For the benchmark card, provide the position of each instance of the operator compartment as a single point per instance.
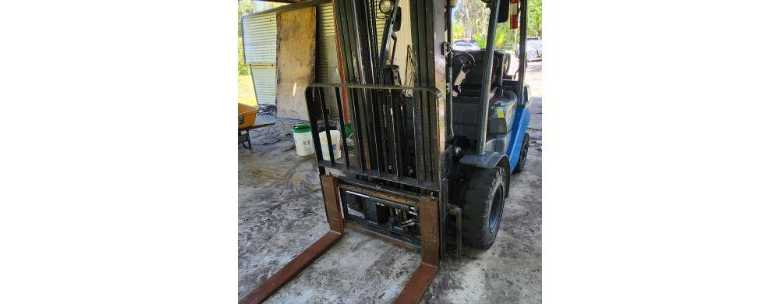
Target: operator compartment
(468, 70)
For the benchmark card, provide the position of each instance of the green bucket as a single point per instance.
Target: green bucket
(302, 128)
(348, 130)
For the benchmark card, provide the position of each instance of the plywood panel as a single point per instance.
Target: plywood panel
(295, 60)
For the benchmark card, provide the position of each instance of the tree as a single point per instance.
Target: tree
(472, 16)
(470, 23)
(245, 7)
(535, 18)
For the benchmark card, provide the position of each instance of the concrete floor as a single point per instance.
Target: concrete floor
(281, 213)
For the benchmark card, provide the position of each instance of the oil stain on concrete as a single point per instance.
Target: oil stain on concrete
(281, 213)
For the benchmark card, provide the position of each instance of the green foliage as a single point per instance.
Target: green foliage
(245, 7)
(243, 69)
(457, 30)
(481, 41)
(472, 16)
(534, 18)
(506, 38)
(470, 23)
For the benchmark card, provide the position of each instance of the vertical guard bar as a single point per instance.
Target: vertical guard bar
(366, 132)
(387, 132)
(376, 107)
(327, 126)
(394, 114)
(419, 170)
(341, 127)
(375, 124)
(311, 104)
(422, 54)
(356, 129)
(487, 75)
(450, 129)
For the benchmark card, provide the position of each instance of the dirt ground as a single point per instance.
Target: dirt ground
(281, 213)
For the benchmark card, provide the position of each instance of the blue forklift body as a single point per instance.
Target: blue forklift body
(519, 127)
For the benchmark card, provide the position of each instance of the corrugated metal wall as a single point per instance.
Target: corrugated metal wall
(327, 57)
(264, 78)
(260, 53)
(260, 40)
(327, 60)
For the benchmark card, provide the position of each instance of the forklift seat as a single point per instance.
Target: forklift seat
(472, 83)
(466, 112)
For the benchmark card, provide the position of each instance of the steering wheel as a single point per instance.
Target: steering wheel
(464, 60)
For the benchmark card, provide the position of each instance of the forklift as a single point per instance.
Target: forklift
(424, 160)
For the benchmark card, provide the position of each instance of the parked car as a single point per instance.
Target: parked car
(465, 45)
(533, 49)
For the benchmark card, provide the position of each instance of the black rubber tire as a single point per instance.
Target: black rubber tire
(485, 190)
(523, 154)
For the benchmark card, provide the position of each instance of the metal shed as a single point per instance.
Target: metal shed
(260, 47)
(260, 54)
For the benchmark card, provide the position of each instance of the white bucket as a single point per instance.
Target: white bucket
(335, 139)
(304, 145)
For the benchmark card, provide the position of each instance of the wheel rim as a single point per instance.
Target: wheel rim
(495, 209)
